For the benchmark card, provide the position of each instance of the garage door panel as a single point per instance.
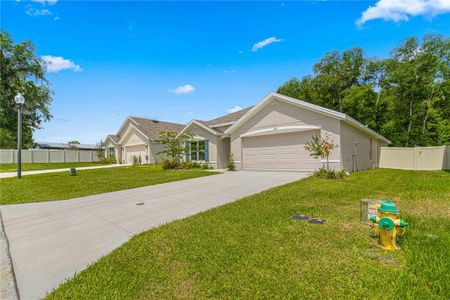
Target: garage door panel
(280, 152)
(138, 150)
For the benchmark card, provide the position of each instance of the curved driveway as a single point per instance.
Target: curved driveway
(50, 241)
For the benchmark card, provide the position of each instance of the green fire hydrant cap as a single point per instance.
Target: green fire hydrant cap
(389, 207)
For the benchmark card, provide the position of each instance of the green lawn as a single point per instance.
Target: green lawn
(46, 166)
(58, 186)
(253, 249)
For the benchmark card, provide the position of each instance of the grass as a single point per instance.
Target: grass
(46, 166)
(253, 249)
(58, 186)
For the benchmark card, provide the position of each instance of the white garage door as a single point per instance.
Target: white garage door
(139, 150)
(278, 152)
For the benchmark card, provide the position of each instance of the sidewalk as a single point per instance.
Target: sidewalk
(14, 174)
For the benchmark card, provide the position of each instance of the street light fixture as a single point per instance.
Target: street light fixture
(20, 100)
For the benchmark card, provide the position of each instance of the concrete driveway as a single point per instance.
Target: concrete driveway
(50, 241)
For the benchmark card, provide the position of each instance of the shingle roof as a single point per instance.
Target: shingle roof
(227, 118)
(152, 128)
(114, 137)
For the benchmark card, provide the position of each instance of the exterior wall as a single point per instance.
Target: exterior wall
(213, 143)
(131, 138)
(223, 152)
(355, 149)
(281, 113)
(418, 158)
(154, 157)
(117, 150)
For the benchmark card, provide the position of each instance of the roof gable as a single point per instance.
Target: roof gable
(230, 118)
(148, 127)
(201, 125)
(305, 105)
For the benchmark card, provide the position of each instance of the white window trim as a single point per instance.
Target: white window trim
(198, 152)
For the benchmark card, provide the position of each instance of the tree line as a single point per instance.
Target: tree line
(405, 97)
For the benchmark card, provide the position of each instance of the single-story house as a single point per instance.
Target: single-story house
(137, 137)
(269, 136)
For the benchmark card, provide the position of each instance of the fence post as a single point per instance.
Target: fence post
(48, 155)
(91, 155)
(78, 155)
(416, 158)
(64, 156)
(31, 155)
(13, 156)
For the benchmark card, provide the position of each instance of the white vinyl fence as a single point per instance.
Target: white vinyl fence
(48, 156)
(418, 158)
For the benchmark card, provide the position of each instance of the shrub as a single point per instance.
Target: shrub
(187, 165)
(137, 160)
(107, 160)
(330, 174)
(171, 164)
(231, 165)
(341, 174)
(206, 166)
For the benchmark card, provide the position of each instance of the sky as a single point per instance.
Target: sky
(177, 61)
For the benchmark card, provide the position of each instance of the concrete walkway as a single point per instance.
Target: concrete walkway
(14, 174)
(50, 241)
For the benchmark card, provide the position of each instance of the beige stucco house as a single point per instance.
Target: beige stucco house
(269, 136)
(136, 137)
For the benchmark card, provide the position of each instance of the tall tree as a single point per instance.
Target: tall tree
(417, 84)
(406, 97)
(21, 71)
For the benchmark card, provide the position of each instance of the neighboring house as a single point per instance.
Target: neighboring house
(136, 137)
(63, 146)
(269, 136)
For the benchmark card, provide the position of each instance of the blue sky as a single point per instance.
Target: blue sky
(193, 60)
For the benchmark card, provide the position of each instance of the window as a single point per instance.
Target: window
(370, 149)
(110, 152)
(197, 151)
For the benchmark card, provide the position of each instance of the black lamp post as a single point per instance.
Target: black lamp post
(20, 100)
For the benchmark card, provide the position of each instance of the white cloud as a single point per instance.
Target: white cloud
(183, 89)
(234, 109)
(265, 42)
(402, 10)
(55, 64)
(46, 2)
(31, 11)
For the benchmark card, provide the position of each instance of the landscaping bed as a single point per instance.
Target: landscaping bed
(252, 248)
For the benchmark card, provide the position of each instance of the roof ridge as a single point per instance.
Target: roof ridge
(153, 120)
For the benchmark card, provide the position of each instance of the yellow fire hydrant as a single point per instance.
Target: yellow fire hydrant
(388, 225)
